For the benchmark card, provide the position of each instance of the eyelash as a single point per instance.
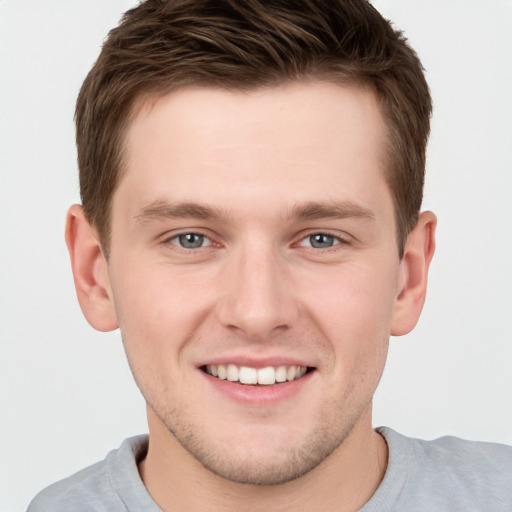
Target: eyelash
(337, 241)
(174, 241)
(176, 246)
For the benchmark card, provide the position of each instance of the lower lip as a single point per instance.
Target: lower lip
(257, 395)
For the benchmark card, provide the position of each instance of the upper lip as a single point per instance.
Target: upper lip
(255, 362)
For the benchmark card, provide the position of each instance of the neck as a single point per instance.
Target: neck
(344, 481)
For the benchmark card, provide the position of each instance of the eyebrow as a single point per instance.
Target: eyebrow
(162, 210)
(331, 210)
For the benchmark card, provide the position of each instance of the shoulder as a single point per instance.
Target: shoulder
(95, 488)
(459, 458)
(78, 492)
(470, 457)
(466, 475)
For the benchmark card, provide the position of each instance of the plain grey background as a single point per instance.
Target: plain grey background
(66, 394)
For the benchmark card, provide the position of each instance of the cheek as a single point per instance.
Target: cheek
(157, 316)
(157, 299)
(158, 310)
(354, 315)
(354, 301)
(353, 311)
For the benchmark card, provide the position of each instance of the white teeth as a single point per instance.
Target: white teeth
(221, 371)
(264, 376)
(232, 373)
(291, 373)
(248, 375)
(281, 374)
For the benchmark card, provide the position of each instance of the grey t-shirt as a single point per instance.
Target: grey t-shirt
(448, 474)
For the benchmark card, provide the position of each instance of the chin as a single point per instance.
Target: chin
(266, 458)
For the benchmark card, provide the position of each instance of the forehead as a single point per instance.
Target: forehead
(296, 142)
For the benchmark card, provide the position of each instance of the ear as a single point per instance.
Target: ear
(418, 253)
(90, 271)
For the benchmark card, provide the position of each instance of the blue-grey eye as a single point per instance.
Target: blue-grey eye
(322, 241)
(191, 240)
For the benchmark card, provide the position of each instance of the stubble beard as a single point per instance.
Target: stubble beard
(249, 465)
(246, 462)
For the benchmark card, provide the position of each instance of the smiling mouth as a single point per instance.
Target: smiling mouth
(267, 376)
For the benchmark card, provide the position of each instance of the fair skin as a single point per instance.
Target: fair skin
(256, 230)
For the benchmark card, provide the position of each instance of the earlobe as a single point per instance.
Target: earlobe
(418, 253)
(90, 271)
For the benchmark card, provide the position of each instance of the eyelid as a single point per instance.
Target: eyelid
(341, 238)
(206, 240)
(169, 237)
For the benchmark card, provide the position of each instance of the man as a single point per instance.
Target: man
(251, 177)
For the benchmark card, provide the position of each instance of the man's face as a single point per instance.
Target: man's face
(253, 234)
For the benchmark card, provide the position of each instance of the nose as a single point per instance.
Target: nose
(258, 299)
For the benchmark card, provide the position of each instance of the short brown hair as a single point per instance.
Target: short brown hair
(162, 45)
